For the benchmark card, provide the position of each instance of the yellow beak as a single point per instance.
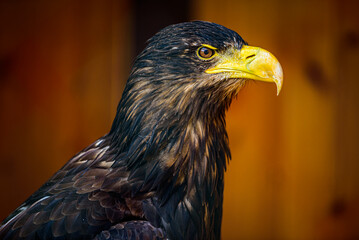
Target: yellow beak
(250, 63)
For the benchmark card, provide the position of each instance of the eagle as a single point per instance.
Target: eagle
(159, 172)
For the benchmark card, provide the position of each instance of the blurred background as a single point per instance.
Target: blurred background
(294, 172)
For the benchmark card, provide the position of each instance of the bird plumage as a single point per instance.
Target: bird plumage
(159, 172)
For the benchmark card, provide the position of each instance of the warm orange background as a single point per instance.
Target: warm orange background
(295, 167)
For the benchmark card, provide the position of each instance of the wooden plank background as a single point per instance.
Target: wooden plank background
(295, 168)
(63, 65)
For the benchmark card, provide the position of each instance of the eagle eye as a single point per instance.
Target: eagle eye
(206, 52)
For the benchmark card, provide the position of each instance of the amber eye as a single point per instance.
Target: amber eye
(205, 52)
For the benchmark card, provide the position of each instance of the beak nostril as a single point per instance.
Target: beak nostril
(250, 56)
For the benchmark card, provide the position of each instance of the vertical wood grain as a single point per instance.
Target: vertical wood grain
(63, 65)
(295, 157)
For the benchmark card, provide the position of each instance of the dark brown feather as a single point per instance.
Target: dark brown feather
(159, 172)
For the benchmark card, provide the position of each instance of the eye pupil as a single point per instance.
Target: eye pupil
(205, 52)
